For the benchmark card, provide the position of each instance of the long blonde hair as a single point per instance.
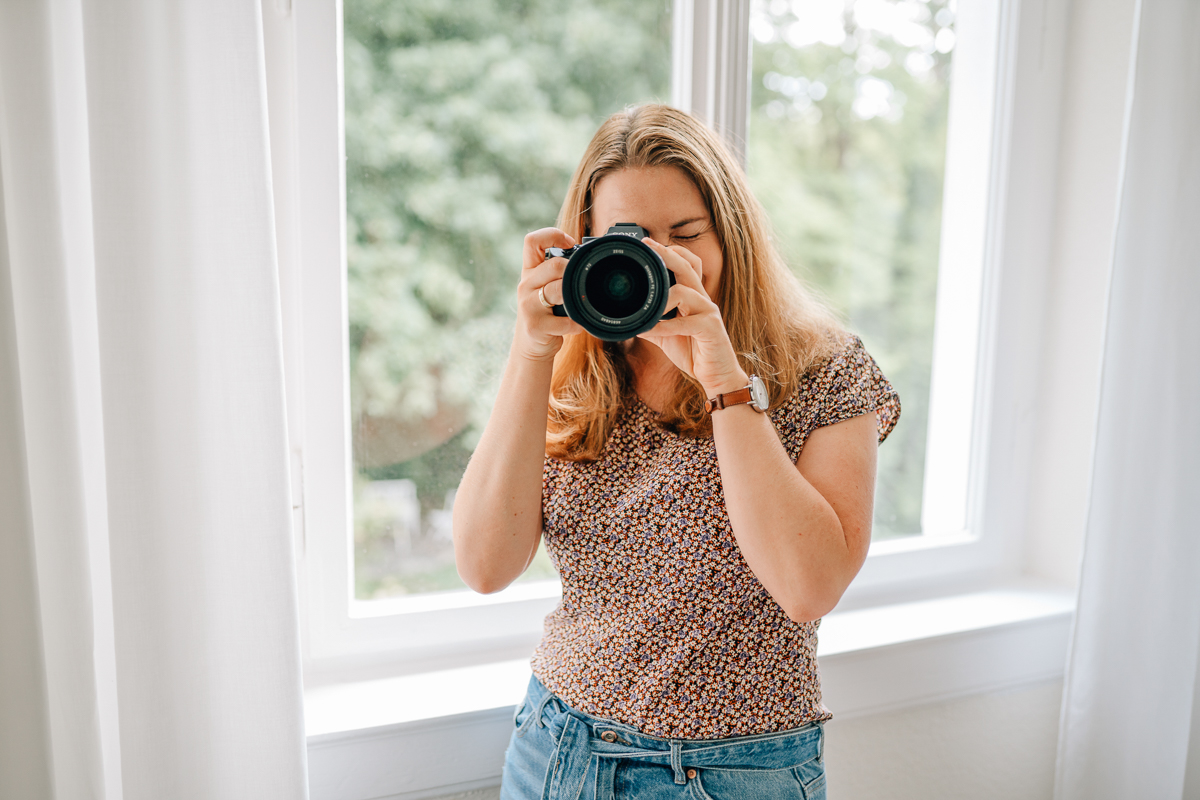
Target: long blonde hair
(778, 329)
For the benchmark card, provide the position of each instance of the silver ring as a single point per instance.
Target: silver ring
(542, 297)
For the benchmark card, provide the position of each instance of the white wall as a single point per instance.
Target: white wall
(998, 745)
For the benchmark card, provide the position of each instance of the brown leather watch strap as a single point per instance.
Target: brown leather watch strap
(728, 399)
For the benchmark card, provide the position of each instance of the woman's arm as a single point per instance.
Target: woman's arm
(803, 528)
(498, 506)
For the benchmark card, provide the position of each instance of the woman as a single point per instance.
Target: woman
(698, 550)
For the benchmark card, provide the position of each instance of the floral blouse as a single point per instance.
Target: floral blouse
(662, 625)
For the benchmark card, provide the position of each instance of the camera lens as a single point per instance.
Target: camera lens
(617, 286)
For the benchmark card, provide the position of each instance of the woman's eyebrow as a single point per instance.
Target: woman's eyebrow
(689, 222)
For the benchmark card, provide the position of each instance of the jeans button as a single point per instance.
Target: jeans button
(691, 773)
(609, 736)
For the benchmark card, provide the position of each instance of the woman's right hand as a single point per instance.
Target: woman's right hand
(539, 333)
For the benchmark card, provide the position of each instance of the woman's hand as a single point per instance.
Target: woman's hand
(539, 333)
(695, 340)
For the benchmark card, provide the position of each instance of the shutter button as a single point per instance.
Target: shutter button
(609, 736)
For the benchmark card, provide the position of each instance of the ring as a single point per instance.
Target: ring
(542, 297)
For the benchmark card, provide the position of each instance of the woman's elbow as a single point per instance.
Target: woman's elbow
(477, 574)
(483, 584)
(481, 567)
(810, 606)
(801, 614)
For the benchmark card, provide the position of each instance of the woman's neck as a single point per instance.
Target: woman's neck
(654, 375)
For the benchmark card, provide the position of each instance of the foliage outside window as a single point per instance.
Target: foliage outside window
(464, 121)
(463, 124)
(847, 150)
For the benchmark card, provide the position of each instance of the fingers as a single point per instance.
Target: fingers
(552, 292)
(549, 295)
(690, 301)
(694, 306)
(539, 333)
(544, 278)
(546, 274)
(537, 242)
(685, 264)
(543, 323)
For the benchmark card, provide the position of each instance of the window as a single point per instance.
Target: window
(464, 122)
(428, 143)
(847, 152)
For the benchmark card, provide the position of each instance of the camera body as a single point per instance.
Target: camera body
(614, 285)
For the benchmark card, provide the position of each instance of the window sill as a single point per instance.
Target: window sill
(437, 733)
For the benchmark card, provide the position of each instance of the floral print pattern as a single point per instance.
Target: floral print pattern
(662, 625)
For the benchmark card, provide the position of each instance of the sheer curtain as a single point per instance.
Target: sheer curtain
(149, 645)
(1131, 711)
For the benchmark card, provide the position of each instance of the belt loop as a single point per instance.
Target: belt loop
(541, 706)
(677, 761)
(568, 772)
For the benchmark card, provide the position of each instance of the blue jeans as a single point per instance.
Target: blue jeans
(558, 753)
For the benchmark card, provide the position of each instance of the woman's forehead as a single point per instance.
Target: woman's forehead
(655, 196)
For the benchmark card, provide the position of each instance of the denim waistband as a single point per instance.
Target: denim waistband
(582, 738)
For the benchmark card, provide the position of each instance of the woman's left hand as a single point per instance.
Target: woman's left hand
(695, 339)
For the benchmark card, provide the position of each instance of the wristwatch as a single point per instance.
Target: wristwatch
(755, 394)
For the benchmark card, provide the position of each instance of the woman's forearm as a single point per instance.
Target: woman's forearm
(788, 532)
(498, 506)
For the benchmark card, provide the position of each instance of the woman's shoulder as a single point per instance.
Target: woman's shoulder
(845, 384)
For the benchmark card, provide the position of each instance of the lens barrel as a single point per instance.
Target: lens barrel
(614, 285)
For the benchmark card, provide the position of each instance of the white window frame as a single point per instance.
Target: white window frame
(966, 541)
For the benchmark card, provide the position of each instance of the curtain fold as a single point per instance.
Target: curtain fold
(1128, 709)
(147, 595)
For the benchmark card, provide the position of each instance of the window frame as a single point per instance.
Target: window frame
(964, 543)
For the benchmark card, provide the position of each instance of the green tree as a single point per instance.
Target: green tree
(847, 150)
(464, 121)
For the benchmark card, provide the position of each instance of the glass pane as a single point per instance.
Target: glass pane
(847, 150)
(464, 121)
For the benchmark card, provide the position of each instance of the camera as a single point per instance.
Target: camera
(614, 285)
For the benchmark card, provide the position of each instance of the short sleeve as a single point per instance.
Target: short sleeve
(847, 385)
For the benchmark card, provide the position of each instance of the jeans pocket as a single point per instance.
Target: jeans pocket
(811, 777)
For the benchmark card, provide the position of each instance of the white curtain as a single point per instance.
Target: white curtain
(1131, 708)
(149, 647)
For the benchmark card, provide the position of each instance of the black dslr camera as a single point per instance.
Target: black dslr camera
(614, 286)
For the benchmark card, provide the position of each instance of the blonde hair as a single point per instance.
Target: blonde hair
(778, 329)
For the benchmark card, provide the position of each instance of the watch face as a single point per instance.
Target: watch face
(758, 393)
